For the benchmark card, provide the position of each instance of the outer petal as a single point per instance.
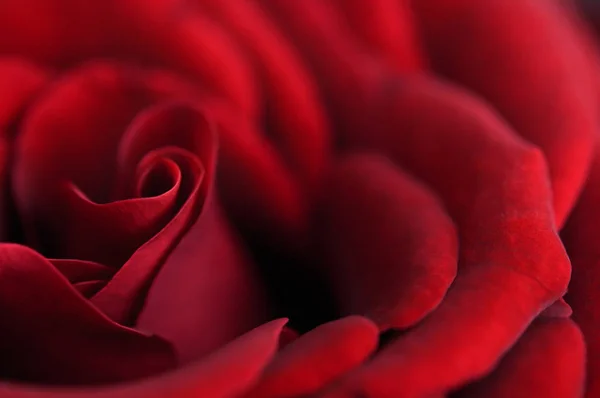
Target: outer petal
(389, 248)
(580, 237)
(317, 358)
(548, 361)
(51, 334)
(225, 374)
(546, 91)
(495, 187)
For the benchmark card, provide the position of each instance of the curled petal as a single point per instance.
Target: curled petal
(51, 334)
(117, 299)
(227, 373)
(548, 361)
(389, 248)
(317, 358)
(546, 92)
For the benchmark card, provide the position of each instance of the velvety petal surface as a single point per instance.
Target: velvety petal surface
(579, 236)
(49, 333)
(294, 115)
(388, 247)
(540, 81)
(226, 373)
(547, 361)
(387, 28)
(316, 358)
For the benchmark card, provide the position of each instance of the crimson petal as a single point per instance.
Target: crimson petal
(316, 358)
(512, 265)
(548, 361)
(51, 334)
(389, 248)
(580, 238)
(546, 91)
(388, 28)
(294, 111)
(258, 191)
(227, 373)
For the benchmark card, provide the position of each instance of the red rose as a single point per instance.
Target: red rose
(181, 176)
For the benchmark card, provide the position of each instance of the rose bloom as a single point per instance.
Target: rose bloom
(299, 198)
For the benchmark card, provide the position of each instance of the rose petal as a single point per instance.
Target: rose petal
(389, 248)
(558, 309)
(346, 72)
(387, 28)
(258, 191)
(51, 334)
(118, 298)
(482, 315)
(19, 82)
(80, 270)
(208, 266)
(580, 238)
(489, 54)
(44, 32)
(548, 361)
(174, 35)
(123, 226)
(317, 358)
(225, 374)
(295, 117)
(59, 142)
(512, 264)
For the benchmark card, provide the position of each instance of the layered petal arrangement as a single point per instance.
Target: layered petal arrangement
(293, 199)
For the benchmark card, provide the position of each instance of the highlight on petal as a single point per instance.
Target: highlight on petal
(294, 116)
(52, 335)
(541, 81)
(316, 358)
(388, 247)
(547, 361)
(227, 373)
(512, 265)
